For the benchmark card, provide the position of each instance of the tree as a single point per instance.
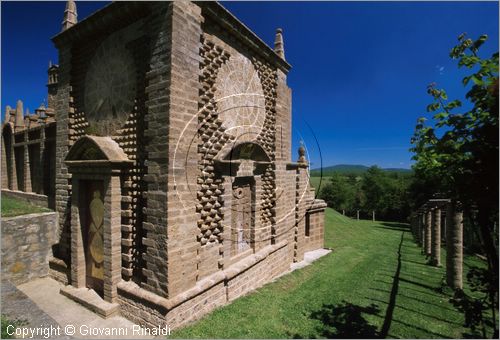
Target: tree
(338, 193)
(456, 153)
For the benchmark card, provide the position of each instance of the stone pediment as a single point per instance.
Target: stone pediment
(93, 149)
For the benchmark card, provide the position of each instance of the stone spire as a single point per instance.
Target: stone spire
(70, 15)
(19, 123)
(7, 114)
(279, 47)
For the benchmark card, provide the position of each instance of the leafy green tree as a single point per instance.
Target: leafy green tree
(456, 151)
(339, 193)
(375, 187)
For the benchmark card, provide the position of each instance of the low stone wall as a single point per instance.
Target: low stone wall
(30, 197)
(315, 225)
(27, 246)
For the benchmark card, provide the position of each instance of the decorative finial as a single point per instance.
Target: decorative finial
(19, 122)
(302, 153)
(279, 47)
(70, 15)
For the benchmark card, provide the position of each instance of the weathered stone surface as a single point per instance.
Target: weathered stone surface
(27, 246)
(191, 175)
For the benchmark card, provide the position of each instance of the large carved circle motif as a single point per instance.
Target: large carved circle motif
(240, 99)
(110, 86)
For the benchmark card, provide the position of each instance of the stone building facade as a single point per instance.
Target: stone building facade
(174, 181)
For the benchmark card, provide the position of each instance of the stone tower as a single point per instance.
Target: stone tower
(52, 84)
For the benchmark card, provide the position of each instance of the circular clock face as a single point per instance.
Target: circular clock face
(240, 98)
(110, 86)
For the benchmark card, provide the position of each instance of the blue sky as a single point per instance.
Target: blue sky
(359, 69)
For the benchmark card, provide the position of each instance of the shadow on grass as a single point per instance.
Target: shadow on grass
(394, 226)
(346, 321)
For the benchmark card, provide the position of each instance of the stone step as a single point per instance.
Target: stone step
(91, 300)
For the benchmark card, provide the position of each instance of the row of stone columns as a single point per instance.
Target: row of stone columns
(427, 225)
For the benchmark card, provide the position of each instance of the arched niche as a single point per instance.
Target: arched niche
(241, 166)
(243, 159)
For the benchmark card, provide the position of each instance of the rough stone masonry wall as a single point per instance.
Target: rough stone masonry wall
(218, 45)
(184, 86)
(63, 108)
(129, 136)
(27, 246)
(215, 291)
(315, 223)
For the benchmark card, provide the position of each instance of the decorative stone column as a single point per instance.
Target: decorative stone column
(5, 170)
(428, 227)
(27, 169)
(13, 167)
(454, 245)
(436, 238)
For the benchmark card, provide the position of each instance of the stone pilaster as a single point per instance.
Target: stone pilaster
(301, 199)
(77, 248)
(182, 218)
(261, 232)
(285, 179)
(62, 190)
(112, 239)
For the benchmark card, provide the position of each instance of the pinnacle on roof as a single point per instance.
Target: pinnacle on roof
(70, 15)
(279, 46)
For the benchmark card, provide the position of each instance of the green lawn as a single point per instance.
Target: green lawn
(14, 207)
(361, 289)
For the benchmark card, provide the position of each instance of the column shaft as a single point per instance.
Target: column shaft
(428, 227)
(436, 238)
(454, 246)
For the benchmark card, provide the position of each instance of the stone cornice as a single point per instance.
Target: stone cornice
(104, 20)
(235, 27)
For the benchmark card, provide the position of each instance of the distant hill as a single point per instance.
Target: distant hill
(351, 169)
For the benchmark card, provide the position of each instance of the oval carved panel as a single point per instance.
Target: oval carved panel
(110, 86)
(240, 98)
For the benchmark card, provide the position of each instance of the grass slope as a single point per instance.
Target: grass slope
(14, 207)
(375, 283)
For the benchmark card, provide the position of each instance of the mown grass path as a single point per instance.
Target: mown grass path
(374, 284)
